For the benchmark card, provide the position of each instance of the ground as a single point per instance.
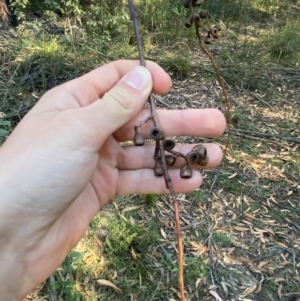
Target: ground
(240, 228)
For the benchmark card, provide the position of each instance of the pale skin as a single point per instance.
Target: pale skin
(64, 162)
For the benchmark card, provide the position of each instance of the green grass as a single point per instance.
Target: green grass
(231, 185)
(198, 196)
(222, 239)
(283, 43)
(195, 268)
(5, 128)
(177, 66)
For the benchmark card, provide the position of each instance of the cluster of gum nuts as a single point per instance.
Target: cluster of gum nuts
(198, 155)
(195, 18)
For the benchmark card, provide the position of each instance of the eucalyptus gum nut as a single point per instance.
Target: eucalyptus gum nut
(158, 170)
(207, 40)
(196, 18)
(138, 139)
(156, 134)
(203, 161)
(218, 27)
(186, 3)
(214, 31)
(169, 144)
(197, 2)
(170, 160)
(200, 148)
(186, 172)
(188, 22)
(203, 14)
(192, 157)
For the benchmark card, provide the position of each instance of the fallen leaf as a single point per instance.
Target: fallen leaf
(249, 290)
(242, 229)
(215, 294)
(281, 244)
(199, 280)
(163, 233)
(262, 264)
(133, 254)
(110, 284)
(232, 176)
(279, 291)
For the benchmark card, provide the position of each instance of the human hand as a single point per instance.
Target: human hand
(64, 162)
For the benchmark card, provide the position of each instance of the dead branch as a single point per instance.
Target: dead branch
(265, 135)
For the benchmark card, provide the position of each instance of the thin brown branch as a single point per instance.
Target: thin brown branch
(175, 153)
(167, 178)
(220, 80)
(136, 27)
(161, 101)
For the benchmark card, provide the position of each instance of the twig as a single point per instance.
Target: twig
(160, 100)
(260, 99)
(167, 178)
(266, 135)
(220, 80)
(221, 84)
(213, 183)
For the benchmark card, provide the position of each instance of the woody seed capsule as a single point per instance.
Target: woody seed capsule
(203, 14)
(200, 148)
(138, 139)
(203, 161)
(197, 2)
(186, 172)
(170, 160)
(218, 26)
(158, 170)
(192, 157)
(214, 31)
(186, 3)
(188, 22)
(196, 18)
(207, 40)
(168, 144)
(156, 134)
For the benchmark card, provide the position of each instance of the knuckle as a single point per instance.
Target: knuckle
(119, 100)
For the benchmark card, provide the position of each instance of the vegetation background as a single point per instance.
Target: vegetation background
(241, 229)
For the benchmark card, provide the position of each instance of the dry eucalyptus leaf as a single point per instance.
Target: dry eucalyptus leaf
(110, 284)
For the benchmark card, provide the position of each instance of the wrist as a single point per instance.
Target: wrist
(14, 280)
(13, 283)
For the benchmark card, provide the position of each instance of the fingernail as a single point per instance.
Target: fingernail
(139, 78)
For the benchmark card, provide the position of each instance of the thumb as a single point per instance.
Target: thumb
(118, 105)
